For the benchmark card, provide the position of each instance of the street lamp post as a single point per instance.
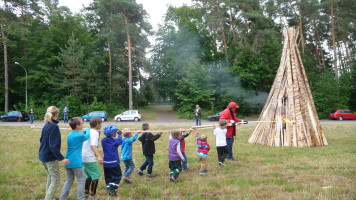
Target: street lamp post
(26, 80)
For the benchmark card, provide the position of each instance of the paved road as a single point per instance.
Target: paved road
(163, 121)
(165, 116)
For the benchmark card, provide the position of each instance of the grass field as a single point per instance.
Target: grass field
(261, 172)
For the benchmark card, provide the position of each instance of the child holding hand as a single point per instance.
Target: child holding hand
(148, 149)
(90, 154)
(175, 155)
(75, 141)
(112, 170)
(126, 153)
(182, 145)
(203, 149)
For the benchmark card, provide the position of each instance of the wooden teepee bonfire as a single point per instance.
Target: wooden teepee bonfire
(289, 116)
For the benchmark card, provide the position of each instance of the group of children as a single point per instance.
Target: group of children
(84, 158)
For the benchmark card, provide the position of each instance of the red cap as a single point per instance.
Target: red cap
(233, 105)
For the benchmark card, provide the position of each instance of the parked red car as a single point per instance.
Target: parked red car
(342, 114)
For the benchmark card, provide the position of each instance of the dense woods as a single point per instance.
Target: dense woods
(209, 53)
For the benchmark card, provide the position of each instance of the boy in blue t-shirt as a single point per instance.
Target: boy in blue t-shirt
(111, 161)
(75, 140)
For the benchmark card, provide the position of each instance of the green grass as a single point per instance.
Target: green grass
(148, 113)
(261, 172)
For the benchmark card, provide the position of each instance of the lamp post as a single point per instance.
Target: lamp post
(26, 80)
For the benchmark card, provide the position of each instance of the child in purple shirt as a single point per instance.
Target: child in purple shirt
(175, 156)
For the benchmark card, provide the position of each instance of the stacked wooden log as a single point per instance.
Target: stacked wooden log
(290, 96)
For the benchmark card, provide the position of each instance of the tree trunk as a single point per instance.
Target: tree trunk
(223, 35)
(301, 27)
(340, 56)
(280, 19)
(110, 71)
(130, 64)
(316, 46)
(320, 47)
(348, 56)
(23, 36)
(6, 106)
(215, 43)
(225, 45)
(333, 36)
(232, 25)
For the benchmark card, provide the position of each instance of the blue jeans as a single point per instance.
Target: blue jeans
(149, 162)
(32, 118)
(230, 142)
(65, 118)
(129, 167)
(185, 162)
(197, 121)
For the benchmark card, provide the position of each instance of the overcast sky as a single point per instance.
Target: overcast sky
(155, 8)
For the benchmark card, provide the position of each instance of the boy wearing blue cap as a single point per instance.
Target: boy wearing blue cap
(111, 161)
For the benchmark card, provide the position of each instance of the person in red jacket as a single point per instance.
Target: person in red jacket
(230, 116)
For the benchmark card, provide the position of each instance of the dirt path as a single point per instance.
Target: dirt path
(166, 114)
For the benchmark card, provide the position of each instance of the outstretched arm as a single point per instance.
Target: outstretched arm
(155, 137)
(185, 135)
(134, 138)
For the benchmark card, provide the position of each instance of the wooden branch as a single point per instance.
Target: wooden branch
(290, 96)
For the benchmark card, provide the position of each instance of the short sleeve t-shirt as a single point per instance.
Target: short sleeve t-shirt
(87, 153)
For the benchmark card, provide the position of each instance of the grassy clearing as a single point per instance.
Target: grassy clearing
(148, 113)
(261, 172)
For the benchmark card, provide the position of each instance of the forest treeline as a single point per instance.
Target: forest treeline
(209, 53)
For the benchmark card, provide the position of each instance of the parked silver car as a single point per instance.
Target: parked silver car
(129, 115)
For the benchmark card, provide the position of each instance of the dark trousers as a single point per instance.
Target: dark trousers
(222, 153)
(230, 142)
(149, 162)
(112, 176)
(176, 168)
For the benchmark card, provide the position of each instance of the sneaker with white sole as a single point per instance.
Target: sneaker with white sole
(127, 179)
(112, 192)
(202, 172)
(151, 175)
(173, 179)
(139, 172)
(222, 164)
